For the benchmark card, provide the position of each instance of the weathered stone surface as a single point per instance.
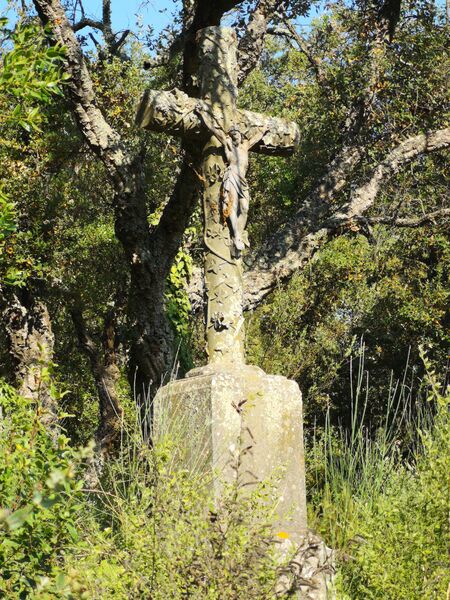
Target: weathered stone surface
(174, 112)
(312, 569)
(228, 409)
(217, 404)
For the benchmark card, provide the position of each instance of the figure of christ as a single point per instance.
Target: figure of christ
(235, 194)
(225, 134)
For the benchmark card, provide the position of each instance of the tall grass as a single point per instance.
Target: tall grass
(371, 489)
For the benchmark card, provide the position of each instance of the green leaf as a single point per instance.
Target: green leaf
(18, 518)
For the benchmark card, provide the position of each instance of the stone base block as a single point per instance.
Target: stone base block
(218, 409)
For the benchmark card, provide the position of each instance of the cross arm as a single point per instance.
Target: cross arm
(175, 113)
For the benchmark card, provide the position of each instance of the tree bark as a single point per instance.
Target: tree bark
(295, 244)
(253, 41)
(106, 375)
(28, 327)
(315, 223)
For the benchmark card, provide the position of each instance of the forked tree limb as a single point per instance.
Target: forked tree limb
(150, 336)
(87, 22)
(289, 32)
(293, 246)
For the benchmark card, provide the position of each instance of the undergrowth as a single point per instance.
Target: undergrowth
(150, 528)
(381, 499)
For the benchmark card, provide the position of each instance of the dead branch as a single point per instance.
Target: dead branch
(113, 41)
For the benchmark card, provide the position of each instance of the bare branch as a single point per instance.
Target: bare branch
(314, 61)
(113, 41)
(117, 44)
(106, 13)
(364, 196)
(86, 22)
(429, 218)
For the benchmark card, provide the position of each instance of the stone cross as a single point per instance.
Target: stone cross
(219, 403)
(226, 135)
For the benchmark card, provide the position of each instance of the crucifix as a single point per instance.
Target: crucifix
(226, 135)
(206, 399)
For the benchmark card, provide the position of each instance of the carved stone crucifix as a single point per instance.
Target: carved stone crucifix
(226, 135)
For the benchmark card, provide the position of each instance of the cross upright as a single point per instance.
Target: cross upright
(226, 135)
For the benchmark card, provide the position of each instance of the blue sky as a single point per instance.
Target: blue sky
(156, 13)
(126, 13)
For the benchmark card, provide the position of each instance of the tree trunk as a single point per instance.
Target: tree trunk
(150, 255)
(28, 327)
(106, 374)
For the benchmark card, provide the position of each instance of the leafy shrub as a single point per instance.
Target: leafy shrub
(159, 533)
(40, 495)
(152, 528)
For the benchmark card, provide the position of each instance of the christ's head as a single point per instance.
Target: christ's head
(236, 136)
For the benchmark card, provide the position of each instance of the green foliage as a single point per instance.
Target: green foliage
(7, 219)
(151, 529)
(40, 495)
(30, 73)
(160, 534)
(8, 226)
(30, 76)
(382, 502)
(393, 292)
(178, 306)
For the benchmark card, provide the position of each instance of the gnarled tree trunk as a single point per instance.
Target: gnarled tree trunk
(31, 342)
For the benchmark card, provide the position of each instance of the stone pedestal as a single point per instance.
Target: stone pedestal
(219, 408)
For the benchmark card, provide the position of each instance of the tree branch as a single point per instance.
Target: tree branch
(428, 218)
(86, 343)
(86, 22)
(252, 42)
(27, 324)
(112, 41)
(364, 196)
(293, 246)
(295, 243)
(100, 136)
(174, 220)
(314, 61)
